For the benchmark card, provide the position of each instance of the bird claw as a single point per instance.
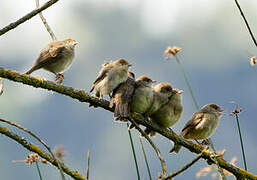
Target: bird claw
(59, 78)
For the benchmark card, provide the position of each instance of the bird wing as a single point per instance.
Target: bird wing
(102, 74)
(194, 121)
(48, 55)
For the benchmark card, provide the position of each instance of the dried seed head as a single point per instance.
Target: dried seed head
(59, 152)
(159, 176)
(253, 61)
(31, 158)
(44, 161)
(171, 51)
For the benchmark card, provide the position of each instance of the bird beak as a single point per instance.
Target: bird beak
(180, 91)
(129, 65)
(75, 43)
(153, 81)
(221, 113)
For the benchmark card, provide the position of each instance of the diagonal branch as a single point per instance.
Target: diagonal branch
(40, 152)
(82, 96)
(27, 17)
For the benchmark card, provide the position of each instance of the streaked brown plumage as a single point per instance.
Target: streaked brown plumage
(110, 76)
(122, 96)
(56, 57)
(202, 124)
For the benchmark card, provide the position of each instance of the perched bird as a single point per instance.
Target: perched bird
(143, 96)
(110, 76)
(162, 93)
(1, 86)
(169, 113)
(202, 124)
(56, 57)
(122, 96)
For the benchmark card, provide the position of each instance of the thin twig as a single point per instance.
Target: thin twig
(83, 96)
(38, 170)
(133, 151)
(88, 164)
(241, 141)
(37, 138)
(27, 17)
(45, 23)
(246, 22)
(146, 161)
(32, 147)
(164, 169)
(184, 168)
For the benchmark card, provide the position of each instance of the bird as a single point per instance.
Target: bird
(161, 94)
(110, 76)
(202, 124)
(142, 98)
(122, 96)
(169, 113)
(56, 57)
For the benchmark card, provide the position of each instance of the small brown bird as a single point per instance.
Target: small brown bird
(56, 57)
(110, 76)
(168, 114)
(162, 93)
(143, 96)
(202, 124)
(122, 96)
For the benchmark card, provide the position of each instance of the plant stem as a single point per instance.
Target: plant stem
(146, 162)
(133, 151)
(38, 170)
(241, 141)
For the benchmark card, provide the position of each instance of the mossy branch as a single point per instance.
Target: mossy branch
(31, 147)
(27, 17)
(82, 96)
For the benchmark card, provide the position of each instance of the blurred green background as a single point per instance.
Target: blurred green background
(216, 50)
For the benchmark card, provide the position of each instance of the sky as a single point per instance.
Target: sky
(216, 51)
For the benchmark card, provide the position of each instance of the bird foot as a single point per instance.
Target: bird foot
(59, 78)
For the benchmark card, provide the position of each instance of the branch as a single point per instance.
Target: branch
(246, 22)
(184, 168)
(82, 96)
(37, 138)
(157, 151)
(49, 30)
(26, 17)
(40, 152)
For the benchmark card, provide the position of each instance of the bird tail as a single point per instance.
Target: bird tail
(175, 148)
(92, 88)
(121, 111)
(30, 71)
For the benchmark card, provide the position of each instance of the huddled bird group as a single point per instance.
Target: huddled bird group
(160, 103)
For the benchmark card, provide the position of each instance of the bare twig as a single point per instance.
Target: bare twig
(45, 23)
(27, 17)
(246, 22)
(184, 168)
(82, 96)
(32, 147)
(37, 138)
(164, 169)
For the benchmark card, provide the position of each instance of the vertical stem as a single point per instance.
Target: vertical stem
(38, 170)
(133, 151)
(146, 162)
(88, 164)
(241, 141)
(187, 83)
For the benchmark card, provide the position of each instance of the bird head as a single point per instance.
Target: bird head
(145, 81)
